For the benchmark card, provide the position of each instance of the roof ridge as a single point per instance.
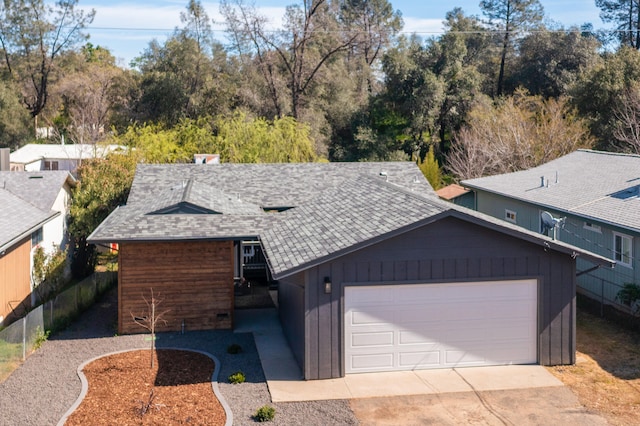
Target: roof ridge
(187, 190)
(615, 154)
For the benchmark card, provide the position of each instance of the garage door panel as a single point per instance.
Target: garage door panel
(359, 340)
(420, 359)
(455, 357)
(413, 315)
(411, 337)
(373, 362)
(488, 323)
(380, 316)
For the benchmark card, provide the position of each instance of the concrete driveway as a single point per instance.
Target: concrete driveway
(534, 406)
(502, 395)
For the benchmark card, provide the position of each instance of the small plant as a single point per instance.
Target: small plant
(265, 413)
(630, 296)
(40, 337)
(147, 405)
(151, 319)
(234, 349)
(237, 378)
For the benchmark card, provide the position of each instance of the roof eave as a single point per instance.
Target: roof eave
(21, 236)
(545, 242)
(353, 248)
(551, 207)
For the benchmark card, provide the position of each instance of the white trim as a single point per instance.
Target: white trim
(592, 227)
(619, 257)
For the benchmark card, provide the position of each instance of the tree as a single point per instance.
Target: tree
(157, 143)
(413, 95)
(33, 34)
(240, 139)
(601, 90)
(549, 62)
(150, 319)
(104, 184)
(625, 14)
(376, 25)
(431, 169)
(87, 95)
(14, 120)
(186, 77)
(509, 18)
(627, 126)
(460, 54)
(515, 133)
(311, 38)
(48, 272)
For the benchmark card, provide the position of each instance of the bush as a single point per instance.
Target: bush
(40, 337)
(630, 296)
(234, 349)
(237, 378)
(265, 414)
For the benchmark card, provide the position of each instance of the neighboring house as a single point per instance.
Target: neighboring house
(33, 211)
(375, 273)
(37, 157)
(598, 194)
(458, 195)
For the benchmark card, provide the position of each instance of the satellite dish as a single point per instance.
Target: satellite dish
(550, 222)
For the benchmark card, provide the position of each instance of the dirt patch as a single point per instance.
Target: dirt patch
(606, 376)
(124, 389)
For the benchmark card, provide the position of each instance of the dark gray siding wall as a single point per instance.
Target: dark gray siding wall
(448, 250)
(291, 310)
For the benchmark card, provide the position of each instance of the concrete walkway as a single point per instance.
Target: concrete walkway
(286, 383)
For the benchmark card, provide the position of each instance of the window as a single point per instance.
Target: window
(592, 227)
(622, 249)
(50, 165)
(36, 237)
(510, 215)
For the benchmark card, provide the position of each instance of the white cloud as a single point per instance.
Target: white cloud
(422, 26)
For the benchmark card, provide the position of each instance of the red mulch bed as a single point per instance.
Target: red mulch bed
(125, 390)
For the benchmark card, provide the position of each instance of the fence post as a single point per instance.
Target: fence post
(24, 338)
(601, 297)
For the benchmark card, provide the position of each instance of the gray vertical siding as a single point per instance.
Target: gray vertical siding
(291, 311)
(448, 250)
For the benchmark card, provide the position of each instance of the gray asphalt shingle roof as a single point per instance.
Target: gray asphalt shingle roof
(37, 188)
(337, 207)
(596, 185)
(342, 218)
(19, 218)
(239, 191)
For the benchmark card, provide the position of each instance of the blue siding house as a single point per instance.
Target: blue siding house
(595, 197)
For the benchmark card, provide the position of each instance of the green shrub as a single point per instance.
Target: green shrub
(264, 414)
(237, 378)
(629, 295)
(40, 337)
(234, 349)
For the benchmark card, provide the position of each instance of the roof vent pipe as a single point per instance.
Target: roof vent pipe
(557, 178)
(541, 181)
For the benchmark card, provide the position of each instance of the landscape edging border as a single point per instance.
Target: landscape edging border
(214, 381)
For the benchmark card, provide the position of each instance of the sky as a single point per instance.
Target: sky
(126, 27)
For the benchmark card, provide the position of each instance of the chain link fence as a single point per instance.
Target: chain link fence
(19, 339)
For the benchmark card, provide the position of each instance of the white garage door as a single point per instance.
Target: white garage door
(412, 327)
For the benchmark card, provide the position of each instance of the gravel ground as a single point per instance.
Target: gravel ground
(46, 385)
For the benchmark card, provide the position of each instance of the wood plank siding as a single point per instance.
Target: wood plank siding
(194, 280)
(446, 251)
(15, 279)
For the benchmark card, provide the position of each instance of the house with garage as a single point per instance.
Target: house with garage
(33, 213)
(593, 198)
(374, 271)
